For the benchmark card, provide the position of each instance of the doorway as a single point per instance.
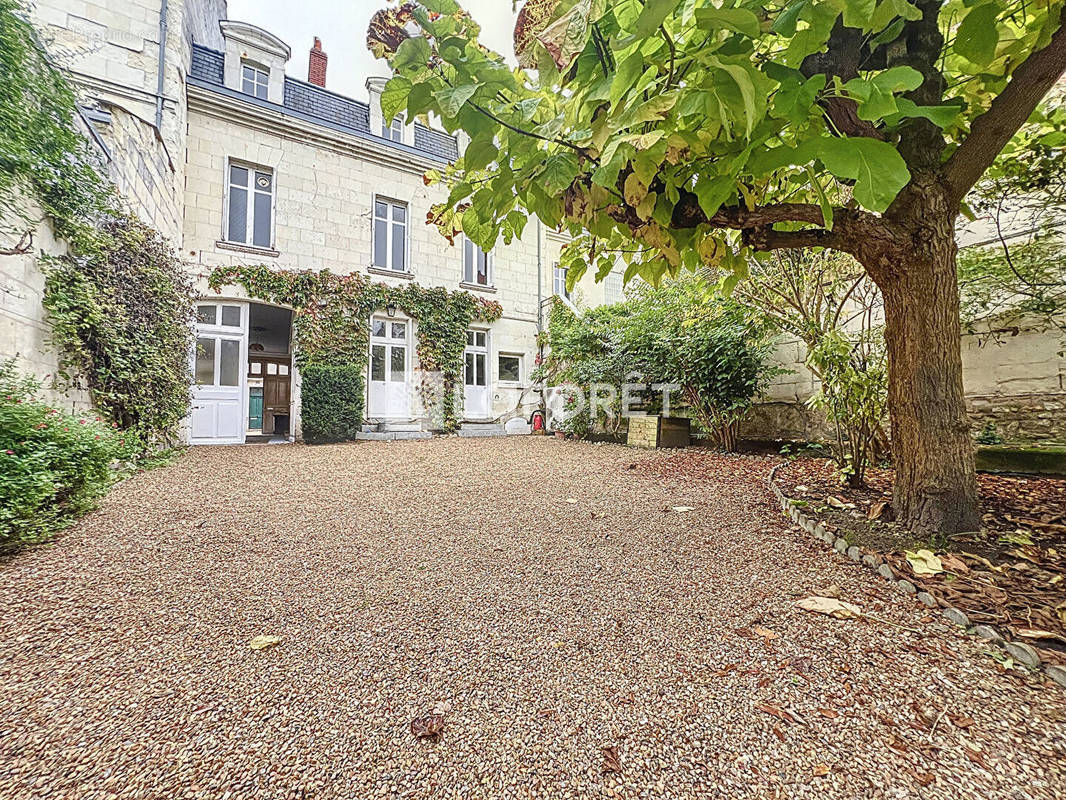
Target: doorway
(388, 396)
(475, 375)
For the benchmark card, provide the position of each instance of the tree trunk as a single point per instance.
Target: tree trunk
(935, 491)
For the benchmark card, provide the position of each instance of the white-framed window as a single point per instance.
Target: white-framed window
(509, 367)
(390, 235)
(394, 131)
(559, 288)
(613, 288)
(477, 264)
(254, 80)
(250, 205)
(219, 327)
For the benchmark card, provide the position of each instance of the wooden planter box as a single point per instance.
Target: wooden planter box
(657, 431)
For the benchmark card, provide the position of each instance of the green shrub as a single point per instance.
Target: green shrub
(331, 402)
(53, 465)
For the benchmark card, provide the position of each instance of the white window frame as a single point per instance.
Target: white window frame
(489, 266)
(249, 219)
(521, 368)
(559, 286)
(258, 72)
(394, 130)
(390, 224)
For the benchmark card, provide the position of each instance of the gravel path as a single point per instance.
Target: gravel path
(454, 575)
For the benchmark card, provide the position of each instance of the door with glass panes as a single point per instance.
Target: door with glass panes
(389, 368)
(475, 376)
(219, 358)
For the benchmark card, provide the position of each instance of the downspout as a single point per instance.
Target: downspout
(160, 67)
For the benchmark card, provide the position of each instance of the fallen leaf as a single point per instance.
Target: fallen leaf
(830, 606)
(611, 762)
(821, 770)
(961, 721)
(263, 642)
(975, 756)
(570, 500)
(428, 727)
(828, 713)
(781, 713)
(1032, 633)
(598, 515)
(835, 502)
(779, 733)
(924, 562)
(681, 509)
(830, 591)
(877, 510)
(766, 633)
(953, 563)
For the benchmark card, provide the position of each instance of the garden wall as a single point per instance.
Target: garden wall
(1014, 378)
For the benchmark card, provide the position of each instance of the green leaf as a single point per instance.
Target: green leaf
(878, 170)
(977, 36)
(743, 80)
(823, 201)
(412, 54)
(735, 19)
(942, 116)
(394, 97)
(452, 98)
(558, 172)
(857, 13)
(713, 192)
(652, 16)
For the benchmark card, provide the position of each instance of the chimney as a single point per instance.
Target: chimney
(316, 65)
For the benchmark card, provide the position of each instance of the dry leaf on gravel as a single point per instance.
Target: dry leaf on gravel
(828, 713)
(781, 713)
(877, 510)
(821, 770)
(830, 606)
(428, 727)
(263, 642)
(766, 633)
(924, 562)
(611, 762)
(570, 500)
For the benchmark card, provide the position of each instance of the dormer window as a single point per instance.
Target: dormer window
(255, 80)
(393, 132)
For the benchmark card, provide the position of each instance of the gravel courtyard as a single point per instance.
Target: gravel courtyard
(455, 575)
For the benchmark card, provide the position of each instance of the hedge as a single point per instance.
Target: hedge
(331, 402)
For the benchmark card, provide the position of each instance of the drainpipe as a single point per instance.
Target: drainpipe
(540, 286)
(161, 65)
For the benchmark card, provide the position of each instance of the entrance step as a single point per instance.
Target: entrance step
(471, 430)
(389, 436)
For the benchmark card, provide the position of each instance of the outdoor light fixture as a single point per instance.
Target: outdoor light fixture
(390, 309)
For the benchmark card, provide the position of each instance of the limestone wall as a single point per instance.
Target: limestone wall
(24, 331)
(1015, 380)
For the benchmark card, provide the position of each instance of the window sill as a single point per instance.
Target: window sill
(248, 248)
(477, 287)
(510, 384)
(390, 273)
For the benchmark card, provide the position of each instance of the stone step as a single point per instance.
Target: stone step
(389, 436)
(471, 430)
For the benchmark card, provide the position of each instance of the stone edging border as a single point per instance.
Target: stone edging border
(1020, 651)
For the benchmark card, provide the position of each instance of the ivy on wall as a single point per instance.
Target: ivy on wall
(331, 319)
(120, 299)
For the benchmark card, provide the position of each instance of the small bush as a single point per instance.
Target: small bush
(331, 402)
(53, 465)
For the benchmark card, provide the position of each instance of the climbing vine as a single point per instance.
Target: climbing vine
(331, 319)
(119, 300)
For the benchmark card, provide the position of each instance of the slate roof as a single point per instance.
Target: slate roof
(330, 108)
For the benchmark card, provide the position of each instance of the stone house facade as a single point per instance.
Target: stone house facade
(209, 140)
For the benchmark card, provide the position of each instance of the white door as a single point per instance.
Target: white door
(475, 376)
(219, 358)
(389, 368)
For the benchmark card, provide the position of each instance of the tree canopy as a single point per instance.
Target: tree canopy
(679, 133)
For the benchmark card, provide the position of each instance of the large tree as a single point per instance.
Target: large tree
(683, 133)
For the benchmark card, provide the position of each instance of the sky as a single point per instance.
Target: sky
(342, 24)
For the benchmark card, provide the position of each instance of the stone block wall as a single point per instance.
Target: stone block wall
(24, 331)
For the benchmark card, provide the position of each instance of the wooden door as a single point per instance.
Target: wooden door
(277, 383)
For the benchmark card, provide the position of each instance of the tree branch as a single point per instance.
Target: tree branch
(765, 239)
(991, 131)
